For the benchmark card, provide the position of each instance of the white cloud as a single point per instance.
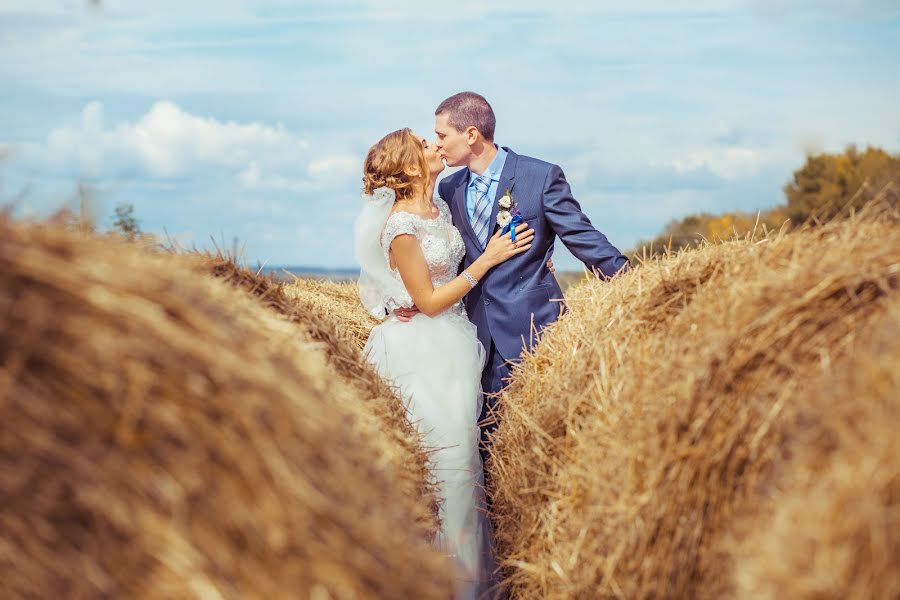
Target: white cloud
(171, 143)
(255, 177)
(335, 166)
(478, 9)
(861, 8)
(38, 7)
(474, 9)
(727, 163)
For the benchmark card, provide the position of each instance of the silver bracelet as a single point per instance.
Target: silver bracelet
(468, 277)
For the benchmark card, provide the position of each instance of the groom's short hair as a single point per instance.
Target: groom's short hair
(468, 109)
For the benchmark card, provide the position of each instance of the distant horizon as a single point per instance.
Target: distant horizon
(312, 269)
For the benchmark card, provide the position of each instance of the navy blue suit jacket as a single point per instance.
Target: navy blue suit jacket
(521, 294)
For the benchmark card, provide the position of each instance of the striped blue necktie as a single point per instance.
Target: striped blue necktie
(482, 215)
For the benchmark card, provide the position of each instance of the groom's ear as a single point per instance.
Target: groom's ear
(472, 134)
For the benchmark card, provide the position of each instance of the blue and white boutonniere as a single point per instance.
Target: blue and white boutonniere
(508, 216)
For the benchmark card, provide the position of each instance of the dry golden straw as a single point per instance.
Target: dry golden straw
(647, 434)
(338, 301)
(324, 314)
(831, 528)
(164, 436)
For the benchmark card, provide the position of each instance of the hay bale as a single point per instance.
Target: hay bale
(831, 528)
(163, 436)
(338, 301)
(323, 314)
(650, 417)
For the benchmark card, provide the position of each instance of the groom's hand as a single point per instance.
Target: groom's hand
(405, 314)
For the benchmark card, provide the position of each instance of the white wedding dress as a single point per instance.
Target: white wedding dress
(435, 363)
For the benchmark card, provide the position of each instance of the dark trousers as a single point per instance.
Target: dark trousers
(494, 378)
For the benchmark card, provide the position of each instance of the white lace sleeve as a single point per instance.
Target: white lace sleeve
(399, 223)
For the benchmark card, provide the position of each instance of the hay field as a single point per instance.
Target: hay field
(833, 527)
(167, 436)
(330, 315)
(719, 423)
(337, 301)
(715, 424)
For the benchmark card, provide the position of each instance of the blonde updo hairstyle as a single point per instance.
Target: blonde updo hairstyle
(389, 162)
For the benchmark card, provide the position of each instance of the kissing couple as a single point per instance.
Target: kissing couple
(463, 276)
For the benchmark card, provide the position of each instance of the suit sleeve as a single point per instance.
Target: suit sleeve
(575, 230)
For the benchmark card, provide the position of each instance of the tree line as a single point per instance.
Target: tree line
(826, 187)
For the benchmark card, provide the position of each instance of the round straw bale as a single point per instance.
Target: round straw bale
(831, 526)
(338, 301)
(163, 436)
(650, 416)
(311, 309)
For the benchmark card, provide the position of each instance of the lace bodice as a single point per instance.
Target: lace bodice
(441, 244)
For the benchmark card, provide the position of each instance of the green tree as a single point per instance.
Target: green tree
(829, 185)
(125, 221)
(826, 187)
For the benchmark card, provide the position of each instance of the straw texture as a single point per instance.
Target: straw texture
(337, 301)
(323, 315)
(653, 421)
(164, 436)
(831, 529)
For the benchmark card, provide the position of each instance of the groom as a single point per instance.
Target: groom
(517, 296)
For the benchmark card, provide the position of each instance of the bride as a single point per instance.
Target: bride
(409, 254)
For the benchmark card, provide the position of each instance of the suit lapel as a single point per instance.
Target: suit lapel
(459, 198)
(507, 181)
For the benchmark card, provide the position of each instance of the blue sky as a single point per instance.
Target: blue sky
(250, 120)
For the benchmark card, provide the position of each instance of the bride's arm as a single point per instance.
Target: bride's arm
(410, 261)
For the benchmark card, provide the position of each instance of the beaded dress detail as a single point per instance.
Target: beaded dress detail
(441, 244)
